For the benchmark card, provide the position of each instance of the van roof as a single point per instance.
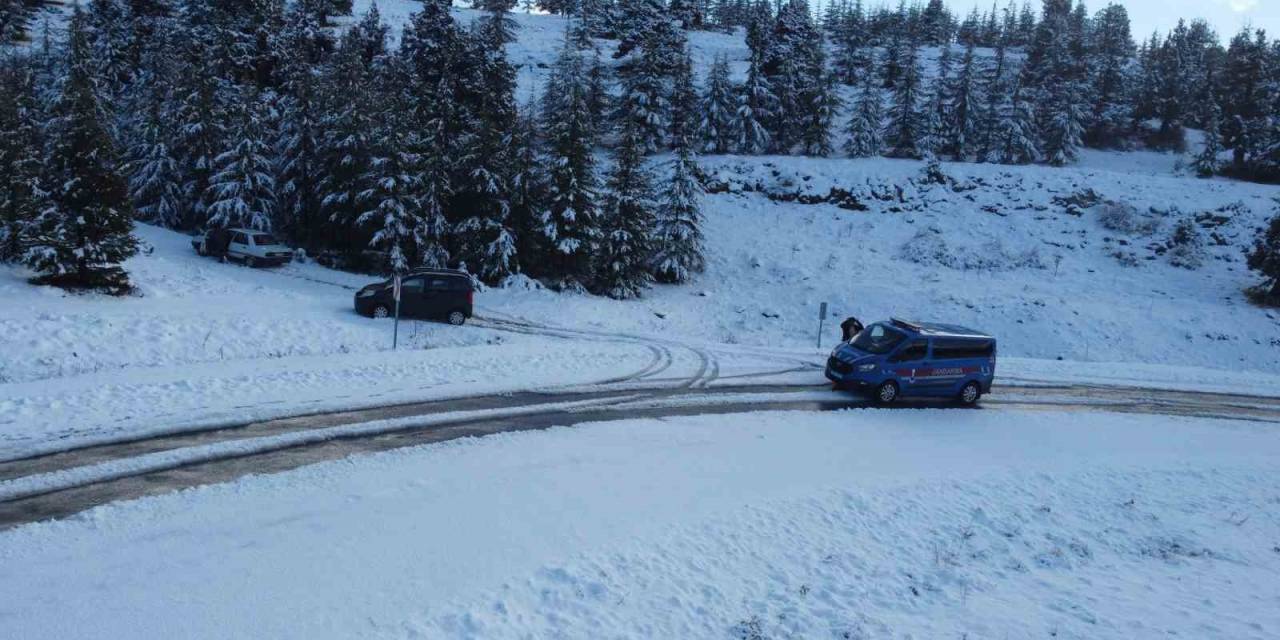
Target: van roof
(439, 272)
(936, 329)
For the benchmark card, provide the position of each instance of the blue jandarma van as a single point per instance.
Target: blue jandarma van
(895, 359)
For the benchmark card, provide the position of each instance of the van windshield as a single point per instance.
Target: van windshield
(877, 339)
(263, 240)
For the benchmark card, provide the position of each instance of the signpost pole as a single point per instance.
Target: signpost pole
(395, 333)
(822, 319)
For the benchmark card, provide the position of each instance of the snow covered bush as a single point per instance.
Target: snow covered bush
(1186, 246)
(1125, 218)
(1265, 259)
(928, 247)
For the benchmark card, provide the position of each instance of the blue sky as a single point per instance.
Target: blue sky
(1226, 16)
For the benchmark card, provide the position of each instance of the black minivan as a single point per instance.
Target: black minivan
(436, 294)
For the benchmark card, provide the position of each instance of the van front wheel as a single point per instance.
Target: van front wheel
(887, 393)
(970, 394)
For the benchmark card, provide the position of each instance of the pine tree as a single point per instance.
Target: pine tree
(676, 249)
(937, 110)
(599, 102)
(638, 22)
(528, 187)
(718, 107)
(627, 222)
(1206, 163)
(1015, 132)
(345, 147)
(822, 104)
(936, 23)
(390, 206)
(86, 230)
(907, 125)
(962, 125)
(199, 112)
(1110, 79)
(865, 129)
(792, 52)
(996, 95)
(1062, 134)
(486, 238)
(1244, 98)
(154, 171)
(569, 223)
(298, 139)
(645, 73)
(689, 13)
(850, 39)
(756, 107)
(444, 94)
(242, 189)
(14, 15)
(678, 235)
(685, 122)
(434, 144)
(21, 146)
(368, 38)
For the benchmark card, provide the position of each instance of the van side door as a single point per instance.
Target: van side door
(413, 304)
(908, 365)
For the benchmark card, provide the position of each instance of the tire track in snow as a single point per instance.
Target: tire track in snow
(75, 488)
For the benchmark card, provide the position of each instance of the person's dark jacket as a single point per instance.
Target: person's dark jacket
(850, 328)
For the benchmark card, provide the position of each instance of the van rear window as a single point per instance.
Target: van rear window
(962, 349)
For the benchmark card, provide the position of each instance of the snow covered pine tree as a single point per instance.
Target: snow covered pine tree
(86, 231)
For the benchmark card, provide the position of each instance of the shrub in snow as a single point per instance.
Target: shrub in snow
(1076, 203)
(520, 282)
(1265, 259)
(1186, 246)
(1126, 258)
(929, 248)
(933, 173)
(1126, 219)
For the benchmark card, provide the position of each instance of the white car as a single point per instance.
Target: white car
(253, 248)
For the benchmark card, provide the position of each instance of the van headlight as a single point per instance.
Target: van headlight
(367, 293)
(867, 368)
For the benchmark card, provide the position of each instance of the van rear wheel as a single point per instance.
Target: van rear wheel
(970, 394)
(457, 318)
(887, 393)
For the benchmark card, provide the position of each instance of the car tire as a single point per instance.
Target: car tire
(969, 394)
(887, 393)
(382, 311)
(457, 318)
(250, 262)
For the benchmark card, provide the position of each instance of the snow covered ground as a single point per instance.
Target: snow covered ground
(859, 524)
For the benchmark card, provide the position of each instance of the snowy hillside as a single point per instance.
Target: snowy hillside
(1077, 300)
(1071, 268)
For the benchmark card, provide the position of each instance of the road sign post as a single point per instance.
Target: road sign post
(395, 333)
(822, 319)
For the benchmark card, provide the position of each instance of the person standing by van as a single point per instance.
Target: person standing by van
(850, 328)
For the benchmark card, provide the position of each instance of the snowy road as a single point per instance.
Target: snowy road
(64, 483)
